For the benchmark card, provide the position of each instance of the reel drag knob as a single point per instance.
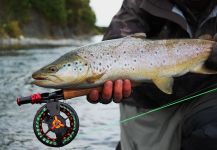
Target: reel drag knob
(58, 130)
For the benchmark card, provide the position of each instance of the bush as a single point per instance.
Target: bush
(53, 10)
(17, 10)
(13, 29)
(80, 15)
(2, 32)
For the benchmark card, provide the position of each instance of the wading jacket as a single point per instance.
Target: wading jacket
(162, 19)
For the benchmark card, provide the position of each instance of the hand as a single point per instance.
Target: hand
(211, 62)
(116, 90)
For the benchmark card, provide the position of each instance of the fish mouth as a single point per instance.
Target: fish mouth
(42, 80)
(39, 77)
(47, 81)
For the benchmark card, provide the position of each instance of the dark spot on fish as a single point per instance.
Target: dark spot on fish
(125, 64)
(115, 60)
(85, 56)
(64, 65)
(100, 70)
(75, 69)
(76, 63)
(107, 66)
(164, 61)
(100, 64)
(69, 64)
(80, 69)
(156, 52)
(134, 60)
(107, 53)
(85, 64)
(91, 54)
(124, 52)
(151, 64)
(119, 56)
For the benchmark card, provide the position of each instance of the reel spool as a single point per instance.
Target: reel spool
(56, 124)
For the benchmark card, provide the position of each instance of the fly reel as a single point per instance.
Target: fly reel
(56, 123)
(55, 126)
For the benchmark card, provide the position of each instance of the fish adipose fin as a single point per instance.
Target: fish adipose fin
(94, 78)
(165, 84)
(203, 70)
(138, 35)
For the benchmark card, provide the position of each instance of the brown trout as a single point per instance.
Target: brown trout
(132, 57)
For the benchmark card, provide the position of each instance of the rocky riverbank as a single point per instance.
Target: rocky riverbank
(24, 43)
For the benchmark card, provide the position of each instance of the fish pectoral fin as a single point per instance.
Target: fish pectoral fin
(165, 84)
(138, 35)
(203, 70)
(94, 78)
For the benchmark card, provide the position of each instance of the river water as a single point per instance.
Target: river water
(16, 133)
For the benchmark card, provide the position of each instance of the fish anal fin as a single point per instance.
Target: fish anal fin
(94, 78)
(165, 84)
(138, 35)
(203, 70)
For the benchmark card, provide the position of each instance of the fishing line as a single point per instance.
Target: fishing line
(181, 100)
(168, 105)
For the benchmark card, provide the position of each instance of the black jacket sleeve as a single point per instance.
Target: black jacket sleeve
(130, 19)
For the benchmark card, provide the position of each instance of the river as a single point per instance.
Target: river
(16, 133)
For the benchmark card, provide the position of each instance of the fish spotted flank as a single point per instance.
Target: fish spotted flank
(132, 57)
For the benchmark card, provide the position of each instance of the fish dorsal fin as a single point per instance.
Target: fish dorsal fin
(203, 70)
(165, 84)
(138, 35)
(94, 78)
(206, 37)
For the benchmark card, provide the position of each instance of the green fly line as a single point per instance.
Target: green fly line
(168, 105)
(181, 100)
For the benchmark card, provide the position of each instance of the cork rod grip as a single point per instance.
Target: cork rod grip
(82, 92)
(76, 93)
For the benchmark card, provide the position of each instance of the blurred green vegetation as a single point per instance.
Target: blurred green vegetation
(76, 14)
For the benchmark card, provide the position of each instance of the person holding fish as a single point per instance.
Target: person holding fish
(154, 53)
(187, 126)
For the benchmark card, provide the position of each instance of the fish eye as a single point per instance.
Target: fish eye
(52, 69)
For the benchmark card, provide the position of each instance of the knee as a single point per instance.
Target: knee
(200, 131)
